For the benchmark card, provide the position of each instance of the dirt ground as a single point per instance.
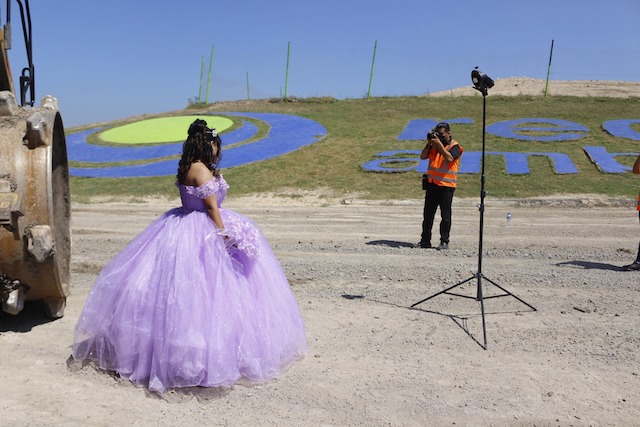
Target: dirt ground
(373, 359)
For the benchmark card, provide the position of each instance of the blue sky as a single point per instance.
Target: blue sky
(107, 60)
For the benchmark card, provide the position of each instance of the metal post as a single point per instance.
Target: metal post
(373, 62)
(546, 87)
(248, 96)
(201, 76)
(286, 77)
(209, 79)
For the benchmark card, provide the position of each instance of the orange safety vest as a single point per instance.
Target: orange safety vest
(440, 171)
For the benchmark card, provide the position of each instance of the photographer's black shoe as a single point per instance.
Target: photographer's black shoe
(632, 267)
(422, 245)
(443, 246)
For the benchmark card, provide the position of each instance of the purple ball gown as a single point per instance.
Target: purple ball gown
(181, 306)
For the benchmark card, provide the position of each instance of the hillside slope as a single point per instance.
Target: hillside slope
(515, 86)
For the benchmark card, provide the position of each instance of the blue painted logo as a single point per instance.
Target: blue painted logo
(517, 163)
(286, 133)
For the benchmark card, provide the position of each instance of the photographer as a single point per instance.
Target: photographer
(439, 182)
(635, 266)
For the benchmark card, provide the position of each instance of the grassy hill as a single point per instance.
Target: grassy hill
(360, 128)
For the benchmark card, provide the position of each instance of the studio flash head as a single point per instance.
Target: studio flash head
(481, 81)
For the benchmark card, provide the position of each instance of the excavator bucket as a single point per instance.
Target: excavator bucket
(35, 212)
(35, 205)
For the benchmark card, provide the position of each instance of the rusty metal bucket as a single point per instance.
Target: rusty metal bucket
(35, 206)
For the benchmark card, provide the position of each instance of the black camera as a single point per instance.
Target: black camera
(433, 134)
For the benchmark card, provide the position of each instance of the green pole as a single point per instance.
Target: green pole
(373, 62)
(248, 96)
(548, 69)
(286, 77)
(209, 78)
(201, 76)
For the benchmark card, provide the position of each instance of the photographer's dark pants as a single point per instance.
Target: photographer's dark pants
(638, 257)
(437, 196)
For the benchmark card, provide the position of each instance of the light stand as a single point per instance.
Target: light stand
(482, 83)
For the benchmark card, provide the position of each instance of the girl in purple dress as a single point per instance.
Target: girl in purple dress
(196, 299)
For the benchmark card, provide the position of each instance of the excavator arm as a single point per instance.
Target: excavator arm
(6, 82)
(27, 80)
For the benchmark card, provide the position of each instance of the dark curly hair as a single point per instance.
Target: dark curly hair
(197, 147)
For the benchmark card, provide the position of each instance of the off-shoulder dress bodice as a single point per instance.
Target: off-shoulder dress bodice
(243, 234)
(193, 197)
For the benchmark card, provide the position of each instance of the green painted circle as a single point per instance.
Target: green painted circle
(162, 129)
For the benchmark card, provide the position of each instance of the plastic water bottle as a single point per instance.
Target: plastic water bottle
(508, 219)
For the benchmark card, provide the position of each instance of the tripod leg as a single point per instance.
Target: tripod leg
(484, 323)
(480, 297)
(509, 293)
(444, 291)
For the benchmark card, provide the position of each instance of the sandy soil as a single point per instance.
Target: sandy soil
(515, 86)
(373, 359)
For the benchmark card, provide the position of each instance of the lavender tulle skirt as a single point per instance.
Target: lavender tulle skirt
(179, 308)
